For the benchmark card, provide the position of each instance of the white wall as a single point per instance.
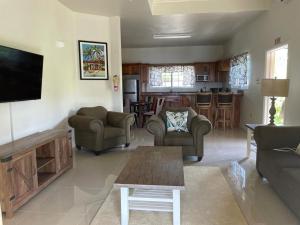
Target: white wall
(161, 55)
(99, 92)
(36, 26)
(258, 37)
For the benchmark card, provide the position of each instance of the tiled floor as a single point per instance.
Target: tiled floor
(76, 196)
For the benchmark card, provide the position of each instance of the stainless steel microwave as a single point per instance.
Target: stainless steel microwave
(201, 78)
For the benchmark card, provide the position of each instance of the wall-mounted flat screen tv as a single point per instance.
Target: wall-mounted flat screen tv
(20, 75)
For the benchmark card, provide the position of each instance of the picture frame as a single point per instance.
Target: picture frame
(93, 60)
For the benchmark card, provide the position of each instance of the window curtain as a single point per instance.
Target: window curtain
(239, 72)
(156, 72)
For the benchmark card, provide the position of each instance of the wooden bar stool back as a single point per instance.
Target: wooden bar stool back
(204, 105)
(158, 104)
(224, 110)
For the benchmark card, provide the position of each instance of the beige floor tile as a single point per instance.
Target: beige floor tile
(76, 196)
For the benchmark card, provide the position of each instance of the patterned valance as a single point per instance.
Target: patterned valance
(239, 71)
(172, 76)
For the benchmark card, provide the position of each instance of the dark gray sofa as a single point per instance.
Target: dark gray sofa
(281, 169)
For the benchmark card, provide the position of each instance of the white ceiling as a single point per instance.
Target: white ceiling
(139, 24)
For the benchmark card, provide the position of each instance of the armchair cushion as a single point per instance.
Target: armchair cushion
(111, 132)
(178, 139)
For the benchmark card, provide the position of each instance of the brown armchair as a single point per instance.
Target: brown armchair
(98, 129)
(191, 142)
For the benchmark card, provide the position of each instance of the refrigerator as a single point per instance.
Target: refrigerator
(130, 90)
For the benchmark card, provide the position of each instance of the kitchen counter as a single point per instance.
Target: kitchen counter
(178, 93)
(188, 99)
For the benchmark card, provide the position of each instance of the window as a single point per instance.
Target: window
(239, 71)
(172, 76)
(276, 67)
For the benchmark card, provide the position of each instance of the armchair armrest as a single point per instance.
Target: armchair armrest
(270, 137)
(157, 127)
(200, 125)
(121, 120)
(118, 119)
(86, 123)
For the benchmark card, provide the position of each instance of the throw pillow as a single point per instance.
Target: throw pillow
(177, 121)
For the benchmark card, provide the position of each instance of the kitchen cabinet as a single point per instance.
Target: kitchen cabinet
(223, 69)
(206, 69)
(132, 69)
(224, 65)
(145, 73)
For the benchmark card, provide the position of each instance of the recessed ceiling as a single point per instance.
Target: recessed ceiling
(138, 24)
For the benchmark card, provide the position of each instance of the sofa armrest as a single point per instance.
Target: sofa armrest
(270, 137)
(86, 123)
(157, 127)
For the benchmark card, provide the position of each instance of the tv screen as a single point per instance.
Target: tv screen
(20, 75)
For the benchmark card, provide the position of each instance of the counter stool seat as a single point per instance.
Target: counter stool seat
(204, 105)
(224, 110)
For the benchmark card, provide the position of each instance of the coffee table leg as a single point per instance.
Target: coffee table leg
(124, 206)
(176, 207)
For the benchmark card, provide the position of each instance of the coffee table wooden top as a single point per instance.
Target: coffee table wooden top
(153, 168)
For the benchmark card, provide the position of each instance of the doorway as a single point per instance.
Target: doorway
(276, 67)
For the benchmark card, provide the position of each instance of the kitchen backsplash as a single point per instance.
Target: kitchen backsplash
(197, 87)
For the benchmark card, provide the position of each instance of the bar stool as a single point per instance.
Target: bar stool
(204, 105)
(224, 110)
(157, 106)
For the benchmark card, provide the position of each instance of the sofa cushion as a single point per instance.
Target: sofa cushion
(111, 132)
(178, 139)
(272, 162)
(287, 185)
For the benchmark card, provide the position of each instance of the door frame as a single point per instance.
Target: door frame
(265, 106)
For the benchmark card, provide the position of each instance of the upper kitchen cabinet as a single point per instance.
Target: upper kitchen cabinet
(205, 69)
(224, 65)
(223, 69)
(132, 69)
(144, 73)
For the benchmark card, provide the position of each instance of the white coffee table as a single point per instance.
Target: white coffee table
(152, 181)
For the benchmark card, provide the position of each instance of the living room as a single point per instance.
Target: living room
(222, 184)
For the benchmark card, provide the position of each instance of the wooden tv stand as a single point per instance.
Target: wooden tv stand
(30, 164)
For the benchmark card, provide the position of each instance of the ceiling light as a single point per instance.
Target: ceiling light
(171, 36)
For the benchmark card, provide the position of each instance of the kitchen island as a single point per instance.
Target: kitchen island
(188, 99)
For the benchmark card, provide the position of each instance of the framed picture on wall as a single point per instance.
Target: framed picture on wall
(93, 60)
